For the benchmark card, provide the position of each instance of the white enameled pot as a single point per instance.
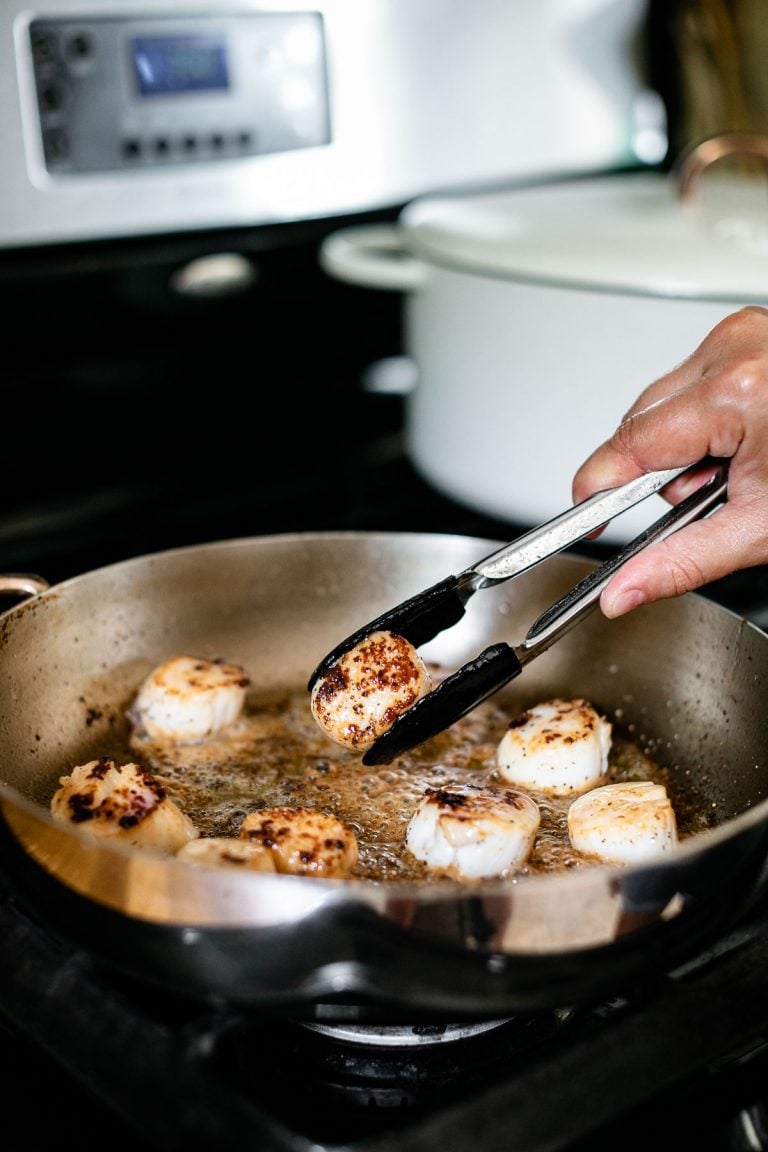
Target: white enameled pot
(536, 315)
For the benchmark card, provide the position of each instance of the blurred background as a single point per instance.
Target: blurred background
(177, 365)
(708, 64)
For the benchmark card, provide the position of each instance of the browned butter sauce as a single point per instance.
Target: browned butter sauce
(275, 754)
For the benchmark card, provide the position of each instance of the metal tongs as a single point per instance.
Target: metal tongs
(437, 608)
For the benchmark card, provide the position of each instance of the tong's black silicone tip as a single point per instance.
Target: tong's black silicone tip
(452, 699)
(418, 619)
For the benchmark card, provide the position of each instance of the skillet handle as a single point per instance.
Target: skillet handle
(21, 585)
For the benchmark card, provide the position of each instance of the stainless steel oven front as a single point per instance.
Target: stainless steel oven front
(148, 118)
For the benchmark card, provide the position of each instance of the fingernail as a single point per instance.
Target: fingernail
(623, 602)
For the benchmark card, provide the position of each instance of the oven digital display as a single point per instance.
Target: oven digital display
(171, 64)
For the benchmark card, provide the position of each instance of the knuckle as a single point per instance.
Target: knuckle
(623, 439)
(683, 573)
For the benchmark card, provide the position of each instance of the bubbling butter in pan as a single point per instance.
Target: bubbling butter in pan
(274, 755)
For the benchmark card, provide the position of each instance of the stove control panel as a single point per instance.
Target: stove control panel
(137, 93)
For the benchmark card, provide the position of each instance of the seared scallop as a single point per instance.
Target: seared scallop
(559, 747)
(623, 823)
(471, 832)
(365, 691)
(303, 841)
(228, 852)
(186, 699)
(122, 801)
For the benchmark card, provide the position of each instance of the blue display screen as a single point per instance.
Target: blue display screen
(165, 64)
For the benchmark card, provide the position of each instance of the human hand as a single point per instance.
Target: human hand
(713, 404)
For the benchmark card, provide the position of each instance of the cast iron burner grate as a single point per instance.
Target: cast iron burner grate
(356, 1077)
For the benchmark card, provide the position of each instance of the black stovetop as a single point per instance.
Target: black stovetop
(85, 1052)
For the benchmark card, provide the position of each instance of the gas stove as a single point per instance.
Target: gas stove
(209, 426)
(85, 1050)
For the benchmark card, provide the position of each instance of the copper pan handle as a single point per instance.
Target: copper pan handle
(695, 160)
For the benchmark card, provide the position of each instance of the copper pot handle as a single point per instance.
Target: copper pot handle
(693, 162)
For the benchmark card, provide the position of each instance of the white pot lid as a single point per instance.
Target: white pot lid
(624, 232)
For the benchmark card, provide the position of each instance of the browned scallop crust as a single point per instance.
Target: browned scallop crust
(304, 841)
(124, 801)
(362, 695)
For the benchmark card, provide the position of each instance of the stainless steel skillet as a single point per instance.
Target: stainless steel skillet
(688, 676)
